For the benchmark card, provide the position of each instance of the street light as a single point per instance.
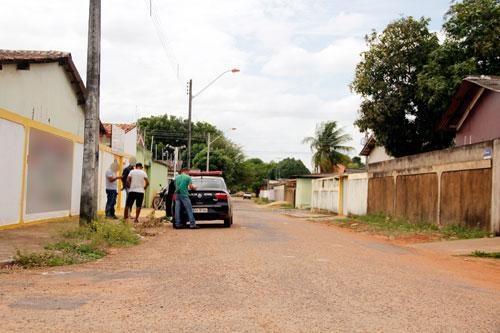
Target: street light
(191, 97)
(208, 146)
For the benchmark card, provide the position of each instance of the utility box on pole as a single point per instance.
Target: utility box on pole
(89, 191)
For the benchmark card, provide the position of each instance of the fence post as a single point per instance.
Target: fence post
(495, 188)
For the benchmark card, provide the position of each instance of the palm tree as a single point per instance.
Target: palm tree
(328, 146)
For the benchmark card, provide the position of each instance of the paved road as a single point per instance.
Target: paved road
(269, 273)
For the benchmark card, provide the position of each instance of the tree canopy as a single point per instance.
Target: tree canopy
(240, 173)
(406, 78)
(287, 168)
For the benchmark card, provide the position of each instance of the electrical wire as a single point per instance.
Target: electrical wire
(165, 43)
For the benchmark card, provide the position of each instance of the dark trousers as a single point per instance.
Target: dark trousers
(111, 202)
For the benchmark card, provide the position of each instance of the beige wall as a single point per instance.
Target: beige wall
(449, 186)
(44, 94)
(378, 154)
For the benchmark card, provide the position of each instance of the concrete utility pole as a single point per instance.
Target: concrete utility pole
(190, 93)
(89, 191)
(208, 152)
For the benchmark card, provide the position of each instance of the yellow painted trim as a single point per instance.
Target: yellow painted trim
(37, 222)
(38, 125)
(23, 179)
(120, 171)
(111, 151)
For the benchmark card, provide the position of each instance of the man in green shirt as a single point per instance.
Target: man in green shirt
(183, 184)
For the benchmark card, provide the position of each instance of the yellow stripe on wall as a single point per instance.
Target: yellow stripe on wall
(28, 124)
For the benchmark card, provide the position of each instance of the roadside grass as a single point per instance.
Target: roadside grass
(482, 254)
(80, 245)
(261, 201)
(403, 228)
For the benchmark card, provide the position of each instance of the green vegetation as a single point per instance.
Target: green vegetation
(482, 254)
(329, 146)
(392, 225)
(462, 232)
(241, 174)
(80, 245)
(261, 201)
(407, 77)
(396, 226)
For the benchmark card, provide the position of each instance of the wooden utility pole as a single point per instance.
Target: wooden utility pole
(190, 93)
(89, 190)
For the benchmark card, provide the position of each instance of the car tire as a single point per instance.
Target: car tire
(228, 222)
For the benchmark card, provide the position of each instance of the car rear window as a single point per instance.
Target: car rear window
(209, 183)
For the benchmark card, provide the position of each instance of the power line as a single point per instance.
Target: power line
(158, 25)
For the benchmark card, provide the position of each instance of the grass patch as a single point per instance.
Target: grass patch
(396, 226)
(482, 254)
(461, 232)
(393, 225)
(80, 245)
(261, 201)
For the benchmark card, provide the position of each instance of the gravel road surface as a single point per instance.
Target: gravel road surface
(268, 273)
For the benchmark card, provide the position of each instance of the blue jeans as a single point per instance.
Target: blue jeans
(181, 201)
(111, 202)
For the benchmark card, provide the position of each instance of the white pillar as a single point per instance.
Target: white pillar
(495, 188)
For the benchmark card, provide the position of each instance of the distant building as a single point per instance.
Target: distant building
(373, 152)
(474, 112)
(120, 137)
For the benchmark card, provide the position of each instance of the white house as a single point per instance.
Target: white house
(374, 153)
(42, 100)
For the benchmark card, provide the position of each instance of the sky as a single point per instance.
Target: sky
(297, 59)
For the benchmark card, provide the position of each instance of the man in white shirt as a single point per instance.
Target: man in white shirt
(111, 190)
(137, 182)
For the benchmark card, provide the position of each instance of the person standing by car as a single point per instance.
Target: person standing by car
(183, 184)
(137, 182)
(111, 190)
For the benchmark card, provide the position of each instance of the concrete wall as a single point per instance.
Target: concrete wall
(290, 196)
(378, 154)
(279, 193)
(130, 144)
(355, 194)
(483, 122)
(450, 186)
(44, 94)
(158, 178)
(303, 192)
(325, 194)
(11, 154)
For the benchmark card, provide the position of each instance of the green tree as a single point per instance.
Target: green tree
(329, 146)
(471, 47)
(172, 130)
(356, 163)
(226, 157)
(255, 173)
(386, 78)
(289, 167)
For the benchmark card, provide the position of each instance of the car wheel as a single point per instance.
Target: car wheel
(228, 222)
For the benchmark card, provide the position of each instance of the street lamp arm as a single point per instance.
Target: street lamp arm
(213, 81)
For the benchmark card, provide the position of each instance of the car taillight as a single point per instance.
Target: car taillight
(221, 196)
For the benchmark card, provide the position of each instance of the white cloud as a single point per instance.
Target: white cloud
(296, 57)
(340, 56)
